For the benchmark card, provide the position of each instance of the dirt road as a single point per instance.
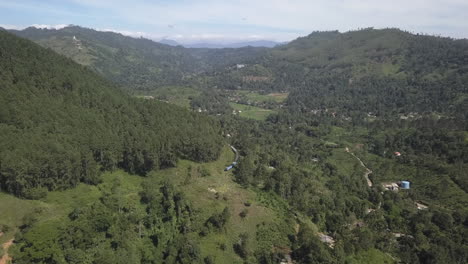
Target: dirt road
(368, 171)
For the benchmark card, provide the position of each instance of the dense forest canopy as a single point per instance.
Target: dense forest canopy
(62, 124)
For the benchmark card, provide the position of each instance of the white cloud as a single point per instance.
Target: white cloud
(7, 26)
(243, 19)
(291, 16)
(40, 26)
(135, 34)
(60, 26)
(182, 38)
(195, 38)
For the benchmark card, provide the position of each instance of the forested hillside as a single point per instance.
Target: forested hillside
(380, 71)
(386, 72)
(62, 124)
(132, 63)
(135, 63)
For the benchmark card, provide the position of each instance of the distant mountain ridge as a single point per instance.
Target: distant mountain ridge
(256, 43)
(384, 71)
(218, 45)
(134, 63)
(169, 42)
(371, 70)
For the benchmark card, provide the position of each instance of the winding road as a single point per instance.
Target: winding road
(368, 171)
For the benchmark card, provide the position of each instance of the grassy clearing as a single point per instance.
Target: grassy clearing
(371, 256)
(12, 212)
(346, 137)
(66, 46)
(390, 69)
(252, 112)
(211, 194)
(346, 163)
(177, 95)
(272, 97)
(53, 210)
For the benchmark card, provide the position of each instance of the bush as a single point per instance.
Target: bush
(209, 260)
(4, 228)
(35, 193)
(218, 220)
(241, 247)
(244, 213)
(204, 172)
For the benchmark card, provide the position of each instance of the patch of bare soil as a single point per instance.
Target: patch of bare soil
(6, 258)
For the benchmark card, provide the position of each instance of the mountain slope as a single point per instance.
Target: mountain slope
(381, 71)
(366, 71)
(386, 72)
(61, 124)
(132, 63)
(169, 42)
(135, 64)
(257, 43)
(389, 52)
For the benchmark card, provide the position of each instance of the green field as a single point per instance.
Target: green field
(272, 97)
(177, 95)
(371, 256)
(252, 112)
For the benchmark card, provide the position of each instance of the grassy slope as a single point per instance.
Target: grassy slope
(252, 112)
(265, 211)
(423, 181)
(256, 97)
(202, 192)
(371, 256)
(12, 212)
(178, 95)
(396, 169)
(67, 46)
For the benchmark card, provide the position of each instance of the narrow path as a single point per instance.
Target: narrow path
(6, 258)
(368, 171)
(235, 151)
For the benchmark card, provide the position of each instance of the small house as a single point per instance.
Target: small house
(405, 185)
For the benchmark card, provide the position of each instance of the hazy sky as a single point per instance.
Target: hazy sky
(209, 20)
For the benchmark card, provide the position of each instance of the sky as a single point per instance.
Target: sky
(191, 21)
